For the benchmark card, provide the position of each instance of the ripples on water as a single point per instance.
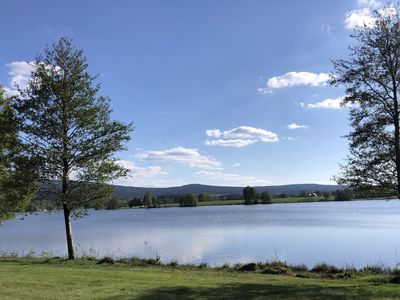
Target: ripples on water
(354, 233)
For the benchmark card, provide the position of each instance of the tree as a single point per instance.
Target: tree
(112, 203)
(135, 202)
(18, 180)
(148, 200)
(266, 197)
(371, 76)
(203, 197)
(67, 126)
(249, 195)
(156, 201)
(344, 195)
(188, 200)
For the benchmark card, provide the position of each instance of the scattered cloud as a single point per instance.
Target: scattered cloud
(327, 28)
(10, 92)
(294, 79)
(148, 182)
(145, 176)
(296, 126)
(264, 91)
(359, 17)
(145, 172)
(240, 137)
(235, 143)
(325, 104)
(214, 133)
(181, 155)
(20, 73)
(235, 165)
(233, 178)
(363, 16)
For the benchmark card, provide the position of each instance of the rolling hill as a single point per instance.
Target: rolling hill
(290, 189)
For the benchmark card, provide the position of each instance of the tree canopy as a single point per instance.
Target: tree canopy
(249, 195)
(67, 127)
(371, 76)
(266, 197)
(18, 181)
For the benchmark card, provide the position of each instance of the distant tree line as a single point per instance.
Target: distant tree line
(250, 196)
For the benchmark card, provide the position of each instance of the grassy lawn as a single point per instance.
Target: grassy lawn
(301, 199)
(84, 279)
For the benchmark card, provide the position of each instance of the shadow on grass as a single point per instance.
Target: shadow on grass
(261, 291)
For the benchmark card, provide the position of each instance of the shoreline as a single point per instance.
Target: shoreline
(145, 279)
(291, 200)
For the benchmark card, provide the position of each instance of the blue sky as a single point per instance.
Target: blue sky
(220, 92)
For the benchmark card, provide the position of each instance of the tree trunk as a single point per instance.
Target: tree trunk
(68, 232)
(397, 153)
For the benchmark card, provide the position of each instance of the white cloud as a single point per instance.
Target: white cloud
(214, 133)
(326, 104)
(327, 28)
(186, 156)
(240, 137)
(295, 79)
(10, 92)
(363, 16)
(144, 176)
(232, 178)
(359, 17)
(141, 171)
(235, 143)
(296, 126)
(264, 91)
(148, 182)
(20, 73)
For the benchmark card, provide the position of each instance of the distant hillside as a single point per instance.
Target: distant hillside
(290, 189)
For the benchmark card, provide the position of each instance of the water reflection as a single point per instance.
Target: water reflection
(345, 233)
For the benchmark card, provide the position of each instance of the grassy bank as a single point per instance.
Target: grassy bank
(28, 278)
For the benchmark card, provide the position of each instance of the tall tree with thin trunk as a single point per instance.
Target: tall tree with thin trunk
(18, 180)
(371, 76)
(67, 126)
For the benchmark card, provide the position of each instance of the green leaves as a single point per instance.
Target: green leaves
(68, 126)
(18, 180)
(371, 76)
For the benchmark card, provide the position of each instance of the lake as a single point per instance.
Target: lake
(356, 233)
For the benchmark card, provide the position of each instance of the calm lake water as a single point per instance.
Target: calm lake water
(354, 233)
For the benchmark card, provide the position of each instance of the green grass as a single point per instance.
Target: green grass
(220, 202)
(275, 200)
(302, 199)
(24, 278)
